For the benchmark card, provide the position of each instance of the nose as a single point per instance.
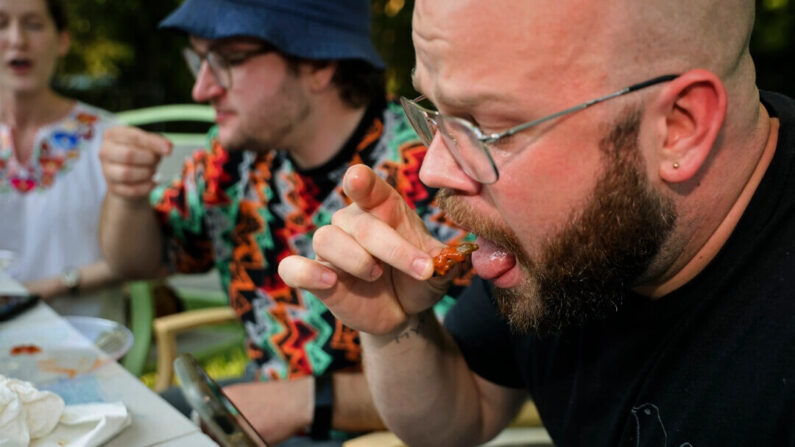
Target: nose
(440, 170)
(14, 35)
(206, 86)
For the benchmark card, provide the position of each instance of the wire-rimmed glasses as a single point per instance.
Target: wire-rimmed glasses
(469, 145)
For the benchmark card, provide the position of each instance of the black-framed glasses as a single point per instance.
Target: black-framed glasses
(220, 63)
(469, 145)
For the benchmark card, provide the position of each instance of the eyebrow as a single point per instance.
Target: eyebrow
(460, 102)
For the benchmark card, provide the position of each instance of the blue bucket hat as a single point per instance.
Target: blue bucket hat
(308, 29)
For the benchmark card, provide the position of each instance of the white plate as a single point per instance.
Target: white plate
(112, 338)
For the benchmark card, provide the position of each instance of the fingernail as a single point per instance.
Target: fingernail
(166, 148)
(376, 271)
(420, 266)
(328, 278)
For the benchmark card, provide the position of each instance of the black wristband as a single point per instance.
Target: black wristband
(324, 398)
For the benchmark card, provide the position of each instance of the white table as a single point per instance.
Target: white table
(154, 421)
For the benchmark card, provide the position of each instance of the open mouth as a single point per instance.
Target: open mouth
(492, 261)
(20, 64)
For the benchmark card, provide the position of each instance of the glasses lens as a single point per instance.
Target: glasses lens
(468, 150)
(220, 68)
(419, 120)
(193, 60)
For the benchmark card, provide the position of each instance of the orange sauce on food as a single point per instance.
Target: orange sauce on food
(25, 350)
(452, 255)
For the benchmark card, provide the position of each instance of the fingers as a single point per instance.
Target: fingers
(302, 273)
(357, 239)
(372, 194)
(137, 191)
(368, 306)
(138, 138)
(129, 160)
(372, 262)
(382, 222)
(129, 173)
(341, 250)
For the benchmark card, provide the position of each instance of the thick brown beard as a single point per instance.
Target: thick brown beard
(584, 272)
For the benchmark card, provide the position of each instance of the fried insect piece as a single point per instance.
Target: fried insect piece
(452, 255)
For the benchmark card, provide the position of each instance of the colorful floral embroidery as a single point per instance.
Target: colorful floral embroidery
(55, 150)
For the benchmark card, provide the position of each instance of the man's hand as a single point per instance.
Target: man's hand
(129, 160)
(277, 409)
(129, 233)
(373, 262)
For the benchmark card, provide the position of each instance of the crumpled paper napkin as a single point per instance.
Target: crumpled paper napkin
(25, 412)
(33, 418)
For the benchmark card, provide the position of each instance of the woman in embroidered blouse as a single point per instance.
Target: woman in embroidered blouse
(51, 184)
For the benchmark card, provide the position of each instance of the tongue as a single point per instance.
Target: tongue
(491, 260)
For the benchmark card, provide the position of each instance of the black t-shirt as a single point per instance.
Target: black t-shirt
(711, 364)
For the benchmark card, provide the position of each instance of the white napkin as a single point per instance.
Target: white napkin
(29, 417)
(87, 425)
(25, 412)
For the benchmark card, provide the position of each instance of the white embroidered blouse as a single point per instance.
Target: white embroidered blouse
(49, 207)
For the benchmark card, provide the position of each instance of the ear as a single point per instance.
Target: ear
(318, 76)
(694, 108)
(64, 42)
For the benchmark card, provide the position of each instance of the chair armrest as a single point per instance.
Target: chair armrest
(166, 329)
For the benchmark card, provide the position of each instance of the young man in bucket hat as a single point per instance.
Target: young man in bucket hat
(298, 92)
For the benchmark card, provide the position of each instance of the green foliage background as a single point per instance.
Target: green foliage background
(119, 60)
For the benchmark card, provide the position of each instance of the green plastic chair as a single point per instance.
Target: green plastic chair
(142, 313)
(169, 114)
(206, 314)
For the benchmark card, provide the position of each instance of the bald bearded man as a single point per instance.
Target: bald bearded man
(634, 199)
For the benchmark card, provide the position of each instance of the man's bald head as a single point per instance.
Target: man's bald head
(626, 41)
(680, 36)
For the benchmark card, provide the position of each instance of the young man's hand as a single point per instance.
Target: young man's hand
(129, 161)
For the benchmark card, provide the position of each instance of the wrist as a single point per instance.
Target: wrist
(132, 203)
(70, 279)
(409, 329)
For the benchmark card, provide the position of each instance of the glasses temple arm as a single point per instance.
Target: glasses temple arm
(623, 91)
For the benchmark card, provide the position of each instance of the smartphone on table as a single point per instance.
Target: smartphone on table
(13, 305)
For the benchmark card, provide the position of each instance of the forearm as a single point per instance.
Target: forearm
(92, 277)
(131, 238)
(281, 408)
(353, 407)
(420, 383)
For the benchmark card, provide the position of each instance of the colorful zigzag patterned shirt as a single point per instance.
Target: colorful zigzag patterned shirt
(242, 213)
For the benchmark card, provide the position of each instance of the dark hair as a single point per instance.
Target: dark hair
(58, 14)
(358, 82)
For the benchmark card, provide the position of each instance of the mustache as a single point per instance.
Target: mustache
(467, 218)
